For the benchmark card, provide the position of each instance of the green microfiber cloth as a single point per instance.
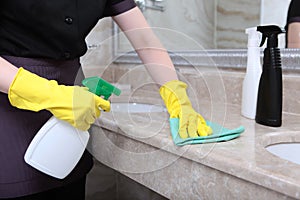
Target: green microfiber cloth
(219, 134)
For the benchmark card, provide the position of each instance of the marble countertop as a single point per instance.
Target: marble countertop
(244, 157)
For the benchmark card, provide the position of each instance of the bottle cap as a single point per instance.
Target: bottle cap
(100, 87)
(254, 37)
(270, 33)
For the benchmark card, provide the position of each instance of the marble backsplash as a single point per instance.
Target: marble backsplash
(217, 85)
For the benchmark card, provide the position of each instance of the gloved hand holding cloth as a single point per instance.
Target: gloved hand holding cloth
(73, 104)
(186, 125)
(191, 123)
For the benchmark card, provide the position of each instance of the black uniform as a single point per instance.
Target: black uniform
(293, 14)
(46, 37)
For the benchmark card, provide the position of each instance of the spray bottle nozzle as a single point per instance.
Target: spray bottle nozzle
(100, 87)
(271, 32)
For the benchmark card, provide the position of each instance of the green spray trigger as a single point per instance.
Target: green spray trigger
(100, 87)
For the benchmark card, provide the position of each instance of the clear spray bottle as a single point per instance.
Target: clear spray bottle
(253, 73)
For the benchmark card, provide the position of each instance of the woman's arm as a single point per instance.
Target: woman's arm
(147, 45)
(293, 35)
(158, 63)
(28, 91)
(7, 74)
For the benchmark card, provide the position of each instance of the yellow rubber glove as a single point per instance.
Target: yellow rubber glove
(191, 124)
(73, 104)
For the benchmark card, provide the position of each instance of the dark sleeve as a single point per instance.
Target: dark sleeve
(293, 15)
(115, 7)
(294, 11)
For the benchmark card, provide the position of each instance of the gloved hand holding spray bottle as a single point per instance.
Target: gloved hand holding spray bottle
(60, 143)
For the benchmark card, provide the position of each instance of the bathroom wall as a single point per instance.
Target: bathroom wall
(212, 24)
(194, 26)
(195, 19)
(275, 12)
(233, 17)
(180, 26)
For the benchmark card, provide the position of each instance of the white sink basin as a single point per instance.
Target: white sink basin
(136, 108)
(287, 151)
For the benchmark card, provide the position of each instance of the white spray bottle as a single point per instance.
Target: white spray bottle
(58, 146)
(253, 73)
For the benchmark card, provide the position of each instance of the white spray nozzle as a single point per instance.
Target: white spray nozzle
(254, 37)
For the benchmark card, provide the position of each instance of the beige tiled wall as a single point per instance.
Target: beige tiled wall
(233, 17)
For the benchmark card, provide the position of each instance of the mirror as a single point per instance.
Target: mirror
(214, 24)
(213, 28)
